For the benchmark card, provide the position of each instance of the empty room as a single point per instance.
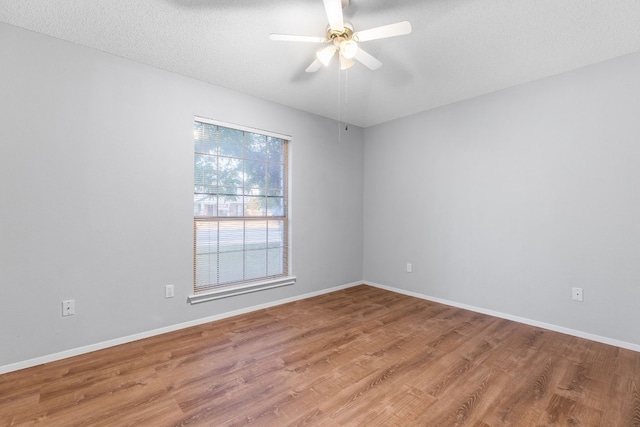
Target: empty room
(320, 212)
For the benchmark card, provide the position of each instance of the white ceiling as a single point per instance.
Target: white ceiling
(458, 48)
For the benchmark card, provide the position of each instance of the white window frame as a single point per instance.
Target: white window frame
(255, 285)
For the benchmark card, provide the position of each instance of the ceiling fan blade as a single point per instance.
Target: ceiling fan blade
(368, 60)
(333, 8)
(293, 38)
(391, 30)
(315, 66)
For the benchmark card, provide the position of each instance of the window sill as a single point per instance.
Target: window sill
(241, 289)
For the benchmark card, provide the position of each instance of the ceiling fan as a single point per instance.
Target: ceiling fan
(342, 38)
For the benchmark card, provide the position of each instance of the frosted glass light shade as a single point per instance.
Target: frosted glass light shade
(326, 54)
(345, 63)
(349, 48)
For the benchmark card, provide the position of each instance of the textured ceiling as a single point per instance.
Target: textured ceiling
(458, 48)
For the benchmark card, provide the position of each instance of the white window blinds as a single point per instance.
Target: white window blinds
(240, 206)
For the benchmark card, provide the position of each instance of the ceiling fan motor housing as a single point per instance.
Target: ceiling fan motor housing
(343, 40)
(345, 34)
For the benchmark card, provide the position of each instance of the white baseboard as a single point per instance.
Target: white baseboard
(561, 329)
(130, 338)
(135, 337)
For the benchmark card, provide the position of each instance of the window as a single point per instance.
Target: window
(240, 209)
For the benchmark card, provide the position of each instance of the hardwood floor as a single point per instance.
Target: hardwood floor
(357, 357)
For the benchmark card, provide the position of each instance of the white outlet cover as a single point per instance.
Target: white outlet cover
(68, 307)
(169, 291)
(577, 294)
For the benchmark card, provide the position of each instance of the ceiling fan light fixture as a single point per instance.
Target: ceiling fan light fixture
(348, 48)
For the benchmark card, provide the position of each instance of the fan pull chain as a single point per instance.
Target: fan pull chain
(346, 102)
(346, 98)
(339, 105)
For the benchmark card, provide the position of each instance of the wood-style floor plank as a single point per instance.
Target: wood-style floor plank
(357, 357)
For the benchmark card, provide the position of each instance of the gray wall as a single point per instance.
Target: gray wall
(96, 170)
(503, 202)
(506, 201)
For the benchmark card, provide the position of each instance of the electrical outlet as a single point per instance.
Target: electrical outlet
(576, 294)
(69, 307)
(409, 267)
(169, 291)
